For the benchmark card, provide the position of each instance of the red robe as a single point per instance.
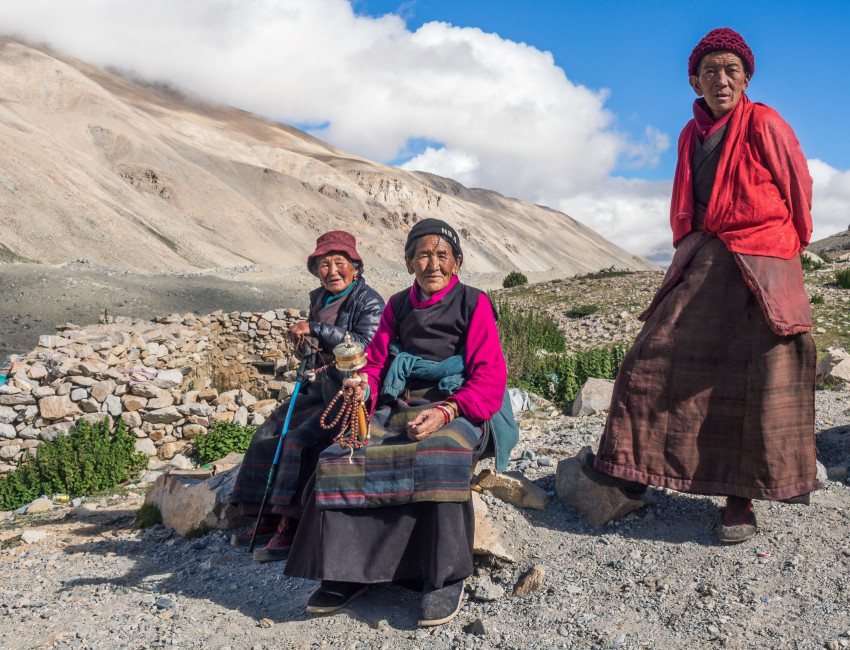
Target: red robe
(762, 197)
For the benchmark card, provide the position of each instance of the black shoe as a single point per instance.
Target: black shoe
(441, 605)
(333, 596)
(631, 489)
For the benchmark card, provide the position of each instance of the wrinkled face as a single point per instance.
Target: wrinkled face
(433, 263)
(721, 78)
(335, 272)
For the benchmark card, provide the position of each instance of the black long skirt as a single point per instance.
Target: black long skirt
(421, 544)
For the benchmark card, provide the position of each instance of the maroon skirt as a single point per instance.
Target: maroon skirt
(709, 400)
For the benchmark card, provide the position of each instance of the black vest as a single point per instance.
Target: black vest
(439, 331)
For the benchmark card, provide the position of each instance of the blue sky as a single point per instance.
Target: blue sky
(639, 51)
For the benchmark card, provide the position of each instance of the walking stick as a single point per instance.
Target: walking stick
(298, 378)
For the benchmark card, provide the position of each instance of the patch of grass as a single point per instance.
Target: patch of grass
(195, 533)
(165, 240)
(842, 278)
(12, 542)
(809, 264)
(817, 299)
(8, 255)
(523, 333)
(580, 311)
(148, 516)
(604, 273)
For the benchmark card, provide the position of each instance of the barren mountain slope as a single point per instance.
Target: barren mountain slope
(138, 176)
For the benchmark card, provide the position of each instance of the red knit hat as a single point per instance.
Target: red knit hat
(722, 39)
(335, 241)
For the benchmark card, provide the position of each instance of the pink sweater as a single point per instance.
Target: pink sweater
(483, 390)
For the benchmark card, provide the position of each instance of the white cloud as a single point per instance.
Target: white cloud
(831, 203)
(499, 114)
(459, 165)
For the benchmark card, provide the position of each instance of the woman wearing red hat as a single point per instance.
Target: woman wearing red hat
(344, 303)
(716, 396)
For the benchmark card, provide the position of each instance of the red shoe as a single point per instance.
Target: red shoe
(265, 530)
(279, 545)
(737, 521)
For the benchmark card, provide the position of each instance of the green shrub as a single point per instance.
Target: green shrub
(514, 279)
(582, 310)
(557, 376)
(842, 278)
(222, 439)
(148, 516)
(809, 264)
(522, 333)
(817, 299)
(88, 459)
(826, 258)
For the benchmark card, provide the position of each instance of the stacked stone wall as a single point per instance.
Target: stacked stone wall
(168, 379)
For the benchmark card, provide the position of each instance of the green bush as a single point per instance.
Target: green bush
(222, 439)
(826, 258)
(842, 278)
(581, 311)
(88, 459)
(557, 376)
(522, 333)
(817, 299)
(514, 279)
(809, 264)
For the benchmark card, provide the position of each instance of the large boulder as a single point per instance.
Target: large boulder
(594, 397)
(834, 367)
(487, 540)
(513, 488)
(599, 504)
(189, 504)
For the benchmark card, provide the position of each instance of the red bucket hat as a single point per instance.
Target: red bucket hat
(335, 241)
(722, 39)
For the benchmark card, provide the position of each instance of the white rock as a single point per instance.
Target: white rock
(181, 462)
(146, 446)
(168, 379)
(33, 536)
(241, 416)
(112, 405)
(594, 397)
(519, 400)
(7, 415)
(835, 366)
(7, 431)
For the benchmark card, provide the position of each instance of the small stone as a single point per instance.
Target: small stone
(530, 581)
(594, 397)
(168, 379)
(164, 603)
(513, 488)
(40, 505)
(33, 536)
(486, 591)
(266, 622)
(475, 628)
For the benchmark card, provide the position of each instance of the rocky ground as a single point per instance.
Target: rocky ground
(658, 579)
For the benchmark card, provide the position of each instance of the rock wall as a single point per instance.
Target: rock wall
(168, 379)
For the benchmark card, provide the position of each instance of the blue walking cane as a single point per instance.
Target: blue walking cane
(273, 470)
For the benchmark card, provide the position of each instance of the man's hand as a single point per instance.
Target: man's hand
(424, 424)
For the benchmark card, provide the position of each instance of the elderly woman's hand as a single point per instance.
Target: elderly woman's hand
(298, 330)
(358, 384)
(426, 423)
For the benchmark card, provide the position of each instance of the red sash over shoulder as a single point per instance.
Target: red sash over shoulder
(762, 196)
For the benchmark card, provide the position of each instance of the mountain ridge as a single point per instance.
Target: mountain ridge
(142, 176)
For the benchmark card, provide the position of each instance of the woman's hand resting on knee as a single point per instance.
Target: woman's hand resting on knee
(426, 423)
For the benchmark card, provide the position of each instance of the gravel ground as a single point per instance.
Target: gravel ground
(658, 579)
